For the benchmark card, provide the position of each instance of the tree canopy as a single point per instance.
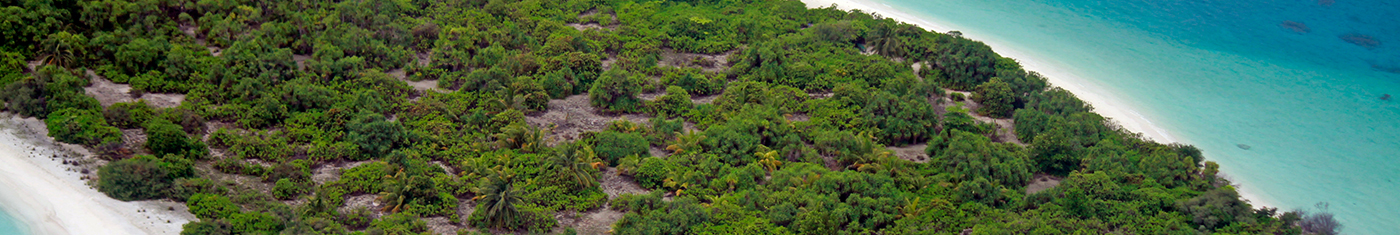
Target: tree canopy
(510, 116)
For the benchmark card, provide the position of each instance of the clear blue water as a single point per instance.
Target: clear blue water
(9, 225)
(1217, 73)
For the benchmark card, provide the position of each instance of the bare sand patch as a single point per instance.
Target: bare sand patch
(134, 138)
(441, 225)
(1042, 182)
(421, 85)
(615, 184)
(301, 61)
(106, 91)
(593, 25)
(708, 99)
(331, 172)
(913, 152)
(707, 62)
(573, 116)
(652, 96)
(367, 201)
(1005, 127)
(596, 221)
(163, 100)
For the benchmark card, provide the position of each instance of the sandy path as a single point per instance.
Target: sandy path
(51, 198)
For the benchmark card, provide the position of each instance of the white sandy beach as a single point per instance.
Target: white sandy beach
(51, 198)
(1104, 101)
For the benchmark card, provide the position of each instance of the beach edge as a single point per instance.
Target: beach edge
(50, 197)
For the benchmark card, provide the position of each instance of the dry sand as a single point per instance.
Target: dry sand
(52, 198)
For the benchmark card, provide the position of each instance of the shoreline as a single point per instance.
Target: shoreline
(1101, 99)
(48, 196)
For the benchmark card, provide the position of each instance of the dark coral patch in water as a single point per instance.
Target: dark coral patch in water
(1361, 40)
(1297, 27)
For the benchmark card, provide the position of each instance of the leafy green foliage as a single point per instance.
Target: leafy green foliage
(80, 126)
(211, 206)
(612, 145)
(776, 120)
(128, 115)
(163, 137)
(616, 90)
(900, 120)
(675, 102)
(132, 179)
(996, 98)
(284, 189)
(375, 135)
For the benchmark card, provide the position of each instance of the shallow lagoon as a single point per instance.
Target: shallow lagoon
(1225, 74)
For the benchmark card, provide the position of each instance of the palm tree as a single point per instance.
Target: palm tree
(397, 195)
(577, 163)
(883, 40)
(689, 142)
(498, 201)
(769, 160)
(527, 138)
(869, 155)
(59, 50)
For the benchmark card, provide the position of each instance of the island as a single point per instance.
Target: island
(588, 117)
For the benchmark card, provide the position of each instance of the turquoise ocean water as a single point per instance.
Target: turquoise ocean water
(1218, 73)
(8, 224)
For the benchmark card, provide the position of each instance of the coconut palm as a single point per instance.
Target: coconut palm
(769, 160)
(396, 196)
(869, 155)
(527, 138)
(61, 49)
(689, 142)
(577, 163)
(497, 203)
(884, 41)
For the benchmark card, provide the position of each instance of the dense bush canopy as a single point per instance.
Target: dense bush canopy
(775, 119)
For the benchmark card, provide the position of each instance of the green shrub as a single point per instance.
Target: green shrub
(81, 126)
(254, 222)
(557, 84)
(398, 224)
(615, 145)
(652, 172)
(210, 207)
(163, 137)
(674, 103)
(25, 97)
(375, 135)
(616, 90)
(205, 228)
(177, 166)
(996, 99)
(284, 189)
(694, 81)
(900, 120)
(184, 188)
(138, 178)
(128, 115)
